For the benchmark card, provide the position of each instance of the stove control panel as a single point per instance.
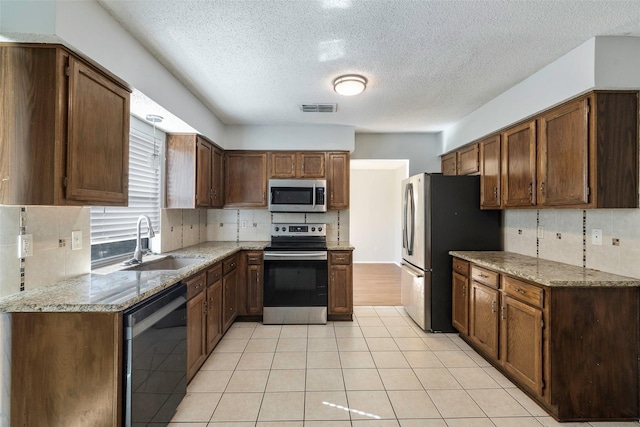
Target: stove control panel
(299, 230)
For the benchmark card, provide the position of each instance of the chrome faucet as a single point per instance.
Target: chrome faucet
(137, 254)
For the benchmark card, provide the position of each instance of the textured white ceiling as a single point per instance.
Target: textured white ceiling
(429, 63)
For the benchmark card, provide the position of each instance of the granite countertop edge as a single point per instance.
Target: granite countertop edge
(85, 293)
(545, 272)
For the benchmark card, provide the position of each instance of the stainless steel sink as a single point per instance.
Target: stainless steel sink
(168, 263)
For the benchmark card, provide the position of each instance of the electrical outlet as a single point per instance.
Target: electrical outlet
(25, 245)
(596, 237)
(558, 236)
(615, 242)
(76, 240)
(540, 232)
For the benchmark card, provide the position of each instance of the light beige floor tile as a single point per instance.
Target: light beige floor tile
(289, 360)
(267, 331)
(371, 321)
(187, 425)
(550, 422)
(322, 344)
(497, 403)
(389, 359)
(323, 360)
(320, 331)
(196, 407)
(381, 344)
(455, 359)
(439, 343)
(516, 422)
(613, 423)
(402, 332)
(499, 377)
(276, 424)
(324, 380)
(424, 422)
(412, 404)
(348, 332)
(422, 359)
(261, 345)
(375, 423)
(239, 333)
(532, 407)
(469, 422)
(346, 323)
(362, 379)
(251, 361)
(229, 424)
(286, 380)
(231, 345)
(471, 378)
(327, 424)
(480, 361)
(251, 325)
(326, 406)
(374, 404)
(394, 321)
(462, 345)
(455, 404)
(248, 381)
(238, 407)
(410, 344)
(352, 344)
(221, 362)
(294, 331)
(437, 379)
(291, 344)
(364, 311)
(356, 359)
(375, 332)
(399, 379)
(282, 406)
(386, 311)
(209, 381)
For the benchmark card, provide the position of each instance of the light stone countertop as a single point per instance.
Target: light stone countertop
(544, 272)
(115, 288)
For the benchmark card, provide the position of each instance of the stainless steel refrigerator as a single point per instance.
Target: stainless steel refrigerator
(439, 214)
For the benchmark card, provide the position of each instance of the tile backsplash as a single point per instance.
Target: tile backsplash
(566, 236)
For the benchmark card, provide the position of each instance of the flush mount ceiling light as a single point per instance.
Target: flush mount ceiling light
(349, 85)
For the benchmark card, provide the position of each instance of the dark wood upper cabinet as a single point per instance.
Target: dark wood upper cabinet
(303, 164)
(64, 129)
(468, 160)
(282, 165)
(338, 180)
(311, 165)
(449, 164)
(245, 176)
(519, 165)
(217, 178)
(490, 178)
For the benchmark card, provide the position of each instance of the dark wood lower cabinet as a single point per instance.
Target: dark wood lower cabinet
(460, 302)
(229, 291)
(196, 324)
(340, 285)
(483, 323)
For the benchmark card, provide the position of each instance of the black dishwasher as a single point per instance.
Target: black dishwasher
(155, 358)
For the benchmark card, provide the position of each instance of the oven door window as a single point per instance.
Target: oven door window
(295, 283)
(292, 196)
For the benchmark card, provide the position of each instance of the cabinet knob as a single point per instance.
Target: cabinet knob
(530, 189)
(495, 192)
(502, 312)
(542, 188)
(493, 306)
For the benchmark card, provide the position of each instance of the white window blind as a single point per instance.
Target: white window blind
(113, 224)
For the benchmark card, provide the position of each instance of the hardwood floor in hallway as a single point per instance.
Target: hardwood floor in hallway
(376, 284)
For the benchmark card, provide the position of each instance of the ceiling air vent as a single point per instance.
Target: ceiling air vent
(319, 108)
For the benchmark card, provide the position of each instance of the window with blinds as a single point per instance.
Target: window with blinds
(113, 229)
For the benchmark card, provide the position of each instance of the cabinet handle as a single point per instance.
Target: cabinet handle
(502, 313)
(493, 306)
(495, 192)
(542, 188)
(257, 277)
(520, 290)
(530, 189)
(484, 276)
(292, 168)
(464, 290)
(211, 193)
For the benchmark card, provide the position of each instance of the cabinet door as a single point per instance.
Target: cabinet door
(245, 183)
(229, 299)
(98, 138)
(338, 181)
(214, 315)
(563, 155)
(483, 322)
(204, 191)
(282, 165)
(521, 338)
(460, 303)
(490, 190)
(340, 283)
(449, 164)
(217, 177)
(255, 281)
(519, 164)
(311, 165)
(196, 333)
(468, 160)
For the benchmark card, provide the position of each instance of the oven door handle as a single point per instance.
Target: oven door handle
(295, 256)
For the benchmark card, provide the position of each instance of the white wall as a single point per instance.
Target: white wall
(292, 137)
(422, 149)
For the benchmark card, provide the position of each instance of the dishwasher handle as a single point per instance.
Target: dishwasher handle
(147, 315)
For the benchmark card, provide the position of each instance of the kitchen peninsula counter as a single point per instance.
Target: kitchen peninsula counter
(117, 288)
(544, 272)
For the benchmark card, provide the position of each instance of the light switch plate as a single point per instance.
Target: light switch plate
(25, 245)
(76, 240)
(596, 237)
(540, 232)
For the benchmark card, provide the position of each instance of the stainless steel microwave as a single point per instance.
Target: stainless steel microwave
(297, 195)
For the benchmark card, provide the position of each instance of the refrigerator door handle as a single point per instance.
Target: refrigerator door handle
(413, 220)
(405, 240)
(409, 269)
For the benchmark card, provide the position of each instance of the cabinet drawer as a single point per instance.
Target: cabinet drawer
(229, 264)
(214, 274)
(195, 285)
(343, 258)
(488, 277)
(523, 291)
(254, 258)
(461, 267)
